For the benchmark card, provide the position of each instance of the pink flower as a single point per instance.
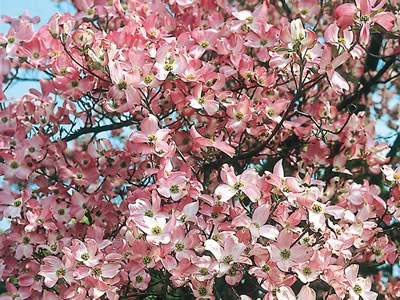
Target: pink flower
(10, 207)
(86, 253)
(54, 269)
(14, 293)
(167, 61)
(391, 175)
(152, 135)
(317, 211)
(15, 166)
(216, 143)
(124, 84)
(157, 229)
(286, 255)
(205, 40)
(226, 256)
(205, 102)
(239, 115)
(174, 186)
(366, 15)
(246, 183)
(256, 225)
(140, 279)
(359, 286)
(328, 66)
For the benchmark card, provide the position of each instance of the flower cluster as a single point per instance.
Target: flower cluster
(200, 149)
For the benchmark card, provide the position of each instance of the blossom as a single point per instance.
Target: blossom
(359, 286)
(328, 66)
(287, 255)
(54, 269)
(227, 255)
(157, 229)
(246, 183)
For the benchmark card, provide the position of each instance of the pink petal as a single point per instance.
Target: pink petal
(285, 239)
(252, 192)
(278, 169)
(351, 273)
(225, 192)
(269, 232)
(109, 270)
(214, 248)
(306, 293)
(149, 125)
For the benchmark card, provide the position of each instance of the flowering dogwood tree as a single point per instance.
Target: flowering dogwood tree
(204, 149)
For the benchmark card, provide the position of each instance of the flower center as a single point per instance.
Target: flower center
(174, 189)
(180, 246)
(357, 289)
(85, 256)
(61, 272)
(139, 278)
(307, 271)
(168, 67)
(227, 259)
(317, 209)
(204, 44)
(183, 218)
(364, 18)
(14, 165)
(203, 271)
(148, 213)
(152, 138)
(148, 79)
(156, 230)
(96, 271)
(304, 11)
(147, 260)
(239, 116)
(378, 252)
(285, 254)
(202, 291)
(265, 268)
(31, 149)
(123, 85)
(249, 20)
(238, 185)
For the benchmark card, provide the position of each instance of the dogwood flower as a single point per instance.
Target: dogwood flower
(359, 287)
(287, 255)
